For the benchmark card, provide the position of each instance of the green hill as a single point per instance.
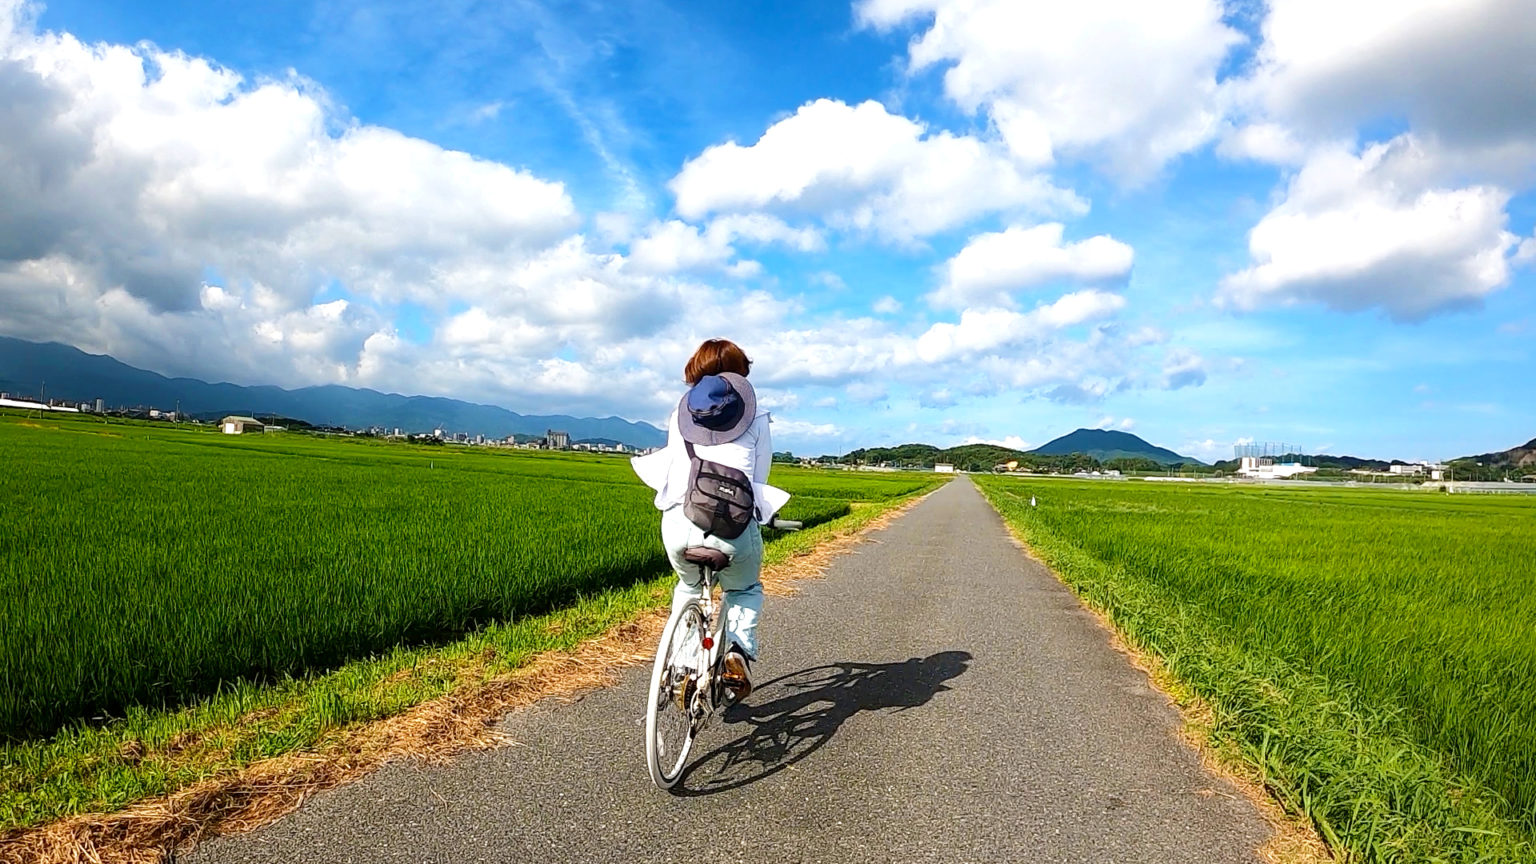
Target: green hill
(1107, 445)
(1514, 462)
(974, 457)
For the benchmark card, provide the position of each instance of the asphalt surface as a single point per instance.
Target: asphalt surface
(938, 696)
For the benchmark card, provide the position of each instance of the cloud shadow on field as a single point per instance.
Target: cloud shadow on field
(793, 716)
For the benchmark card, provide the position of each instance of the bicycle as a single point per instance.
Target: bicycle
(685, 687)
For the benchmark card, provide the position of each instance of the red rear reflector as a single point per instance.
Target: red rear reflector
(708, 643)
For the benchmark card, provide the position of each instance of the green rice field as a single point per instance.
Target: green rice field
(1371, 654)
(148, 565)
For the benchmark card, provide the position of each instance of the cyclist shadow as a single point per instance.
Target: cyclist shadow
(806, 708)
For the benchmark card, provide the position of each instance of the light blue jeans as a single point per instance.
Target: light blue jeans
(740, 582)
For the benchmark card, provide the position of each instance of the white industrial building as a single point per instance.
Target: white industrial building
(1262, 468)
(1435, 470)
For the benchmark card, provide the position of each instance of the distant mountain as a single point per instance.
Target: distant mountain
(966, 457)
(77, 376)
(1318, 460)
(1523, 456)
(1058, 459)
(1105, 444)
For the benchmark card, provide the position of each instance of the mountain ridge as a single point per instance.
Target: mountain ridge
(79, 376)
(1520, 456)
(1107, 444)
(1064, 455)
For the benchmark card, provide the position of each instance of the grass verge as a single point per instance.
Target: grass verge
(140, 788)
(1371, 792)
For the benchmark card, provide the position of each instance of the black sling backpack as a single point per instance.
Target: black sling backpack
(719, 498)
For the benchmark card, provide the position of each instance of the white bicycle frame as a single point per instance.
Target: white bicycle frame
(712, 642)
(707, 696)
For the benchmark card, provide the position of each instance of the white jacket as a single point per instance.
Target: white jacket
(666, 470)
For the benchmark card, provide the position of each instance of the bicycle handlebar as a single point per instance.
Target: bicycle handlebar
(785, 524)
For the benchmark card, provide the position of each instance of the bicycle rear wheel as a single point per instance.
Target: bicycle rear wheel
(669, 717)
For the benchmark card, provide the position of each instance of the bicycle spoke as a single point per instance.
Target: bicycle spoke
(671, 716)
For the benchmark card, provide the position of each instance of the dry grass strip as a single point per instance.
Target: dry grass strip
(1292, 839)
(156, 830)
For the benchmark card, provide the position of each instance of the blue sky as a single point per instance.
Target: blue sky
(926, 220)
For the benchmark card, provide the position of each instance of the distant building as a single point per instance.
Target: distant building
(1265, 468)
(235, 424)
(943, 468)
(554, 440)
(101, 406)
(1435, 470)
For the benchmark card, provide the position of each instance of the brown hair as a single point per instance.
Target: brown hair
(716, 356)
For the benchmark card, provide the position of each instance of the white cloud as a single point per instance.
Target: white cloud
(1012, 442)
(1459, 71)
(1263, 142)
(862, 168)
(1127, 83)
(803, 429)
(1209, 449)
(764, 230)
(127, 174)
(887, 305)
(1527, 251)
(1146, 335)
(868, 391)
(1414, 225)
(487, 111)
(1108, 421)
(984, 330)
(674, 246)
(940, 398)
(773, 399)
(993, 266)
(827, 279)
(1183, 368)
(1377, 230)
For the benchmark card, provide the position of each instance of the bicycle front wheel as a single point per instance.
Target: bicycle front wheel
(669, 716)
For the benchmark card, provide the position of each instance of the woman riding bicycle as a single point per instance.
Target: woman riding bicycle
(718, 417)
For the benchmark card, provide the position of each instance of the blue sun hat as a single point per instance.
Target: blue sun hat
(717, 409)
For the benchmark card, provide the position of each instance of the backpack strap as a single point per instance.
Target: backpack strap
(693, 458)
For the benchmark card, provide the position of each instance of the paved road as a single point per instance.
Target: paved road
(938, 696)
